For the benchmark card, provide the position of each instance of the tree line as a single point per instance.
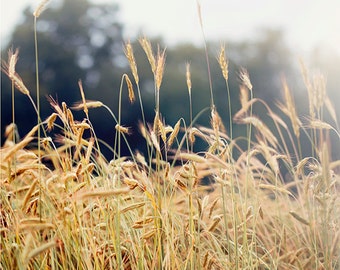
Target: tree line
(82, 40)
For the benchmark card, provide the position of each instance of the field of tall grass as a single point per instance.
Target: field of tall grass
(65, 206)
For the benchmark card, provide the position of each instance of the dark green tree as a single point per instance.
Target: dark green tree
(77, 39)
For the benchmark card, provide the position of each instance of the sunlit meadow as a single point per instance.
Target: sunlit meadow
(65, 206)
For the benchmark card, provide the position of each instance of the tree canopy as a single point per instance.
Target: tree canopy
(78, 39)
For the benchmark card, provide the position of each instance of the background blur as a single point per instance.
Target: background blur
(81, 39)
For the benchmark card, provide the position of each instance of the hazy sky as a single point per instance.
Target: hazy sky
(307, 23)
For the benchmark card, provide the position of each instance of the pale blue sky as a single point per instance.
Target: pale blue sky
(308, 23)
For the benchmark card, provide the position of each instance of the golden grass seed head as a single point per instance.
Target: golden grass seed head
(243, 111)
(318, 124)
(212, 207)
(103, 193)
(89, 150)
(330, 107)
(156, 121)
(35, 226)
(12, 61)
(191, 135)
(262, 128)
(245, 79)
(216, 122)
(19, 84)
(64, 107)
(181, 184)
(86, 111)
(192, 157)
(128, 50)
(44, 247)
(138, 224)
(290, 109)
(213, 225)
(82, 125)
(10, 130)
(244, 97)
(310, 89)
(174, 133)
(146, 45)
(132, 206)
(144, 133)
(299, 218)
(261, 212)
(199, 207)
(130, 89)
(50, 121)
(121, 129)
(14, 149)
(154, 141)
(132, 183)
(56, 107)
(159, 68)
(70, 118)
(188, 77)
(168, 129)
(161, 130)
(37, 12)
(223, 63)
(319, 85)
(140, 158)
(9, 69)
(88, 103)
(148, 234)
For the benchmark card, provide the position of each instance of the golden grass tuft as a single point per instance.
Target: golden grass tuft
(263, 207)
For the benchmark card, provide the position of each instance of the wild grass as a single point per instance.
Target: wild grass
(65, 206)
